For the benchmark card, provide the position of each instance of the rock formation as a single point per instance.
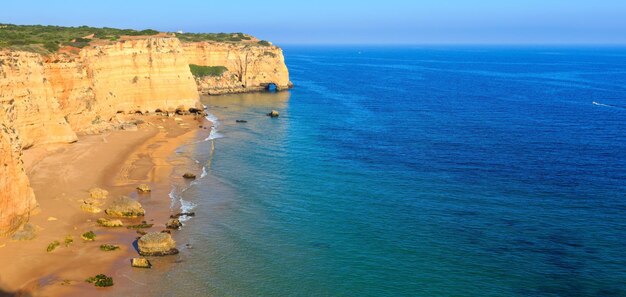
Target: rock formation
(250, 67)
(51, 99)
(157, 244)
(125, 207)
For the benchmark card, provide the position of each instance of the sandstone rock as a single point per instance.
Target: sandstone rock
(17, 199)
(273, 114)
(263, 65)
(91, 206)
(241, 121)
(129, 127)
(143, 188)
(189, 175)
(141, 263)
(125, 207)
(98, 193)
(173, 224)
(110, 223)
(157, 244)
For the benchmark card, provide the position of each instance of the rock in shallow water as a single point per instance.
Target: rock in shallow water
(141, 263)
(189, 175)
(173, 224)
(143, 188)
(157, 244)
(273, 114)
(125, 207)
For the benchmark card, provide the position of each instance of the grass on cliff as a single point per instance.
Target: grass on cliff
(221, 37)
(48, 39)
(44, 39)
(203, 71)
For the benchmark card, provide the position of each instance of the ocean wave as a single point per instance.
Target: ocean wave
(204, 172)
(173, 197)
(186, 207)
(212, 118)
(213, 134)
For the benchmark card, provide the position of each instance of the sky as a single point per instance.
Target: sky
(349, 21)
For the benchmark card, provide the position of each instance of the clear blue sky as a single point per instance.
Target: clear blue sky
(349, 21)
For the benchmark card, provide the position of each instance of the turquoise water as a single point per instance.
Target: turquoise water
(415, 172)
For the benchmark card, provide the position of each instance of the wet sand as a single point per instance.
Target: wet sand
(61, 176)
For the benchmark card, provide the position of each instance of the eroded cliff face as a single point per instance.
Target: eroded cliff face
(251, 67)
(28, 102)
(16, 197)
(52, 99)
(133, 75)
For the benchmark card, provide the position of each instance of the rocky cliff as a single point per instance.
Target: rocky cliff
(51, 99)
(251, 67)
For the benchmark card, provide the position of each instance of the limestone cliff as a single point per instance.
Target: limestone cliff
(251, 67)
(50, 99)
(16, 196)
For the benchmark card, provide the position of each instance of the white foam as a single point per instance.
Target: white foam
(213, 134)
(204, 172)
(186, 206)
(600, 104)
(173, 197)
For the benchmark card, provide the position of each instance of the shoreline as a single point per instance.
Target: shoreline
(61, 175)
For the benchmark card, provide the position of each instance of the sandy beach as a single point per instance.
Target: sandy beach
(62, 174)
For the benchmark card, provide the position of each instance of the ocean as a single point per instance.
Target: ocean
(414, 171)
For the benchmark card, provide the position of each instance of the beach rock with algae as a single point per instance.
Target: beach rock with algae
(157, 244)
(125, 207)
(173, 224)
(110, 223)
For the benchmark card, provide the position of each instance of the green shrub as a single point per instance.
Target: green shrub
(109, 247)
(143, 225)
(264, 43)
(69, 240)
(51, 47)
(100, 280)
(52, 246)
(202, 71)
(89, 236)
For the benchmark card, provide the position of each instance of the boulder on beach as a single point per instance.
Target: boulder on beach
(156, 244)
(110, 223)
(273, 114)
(91, 205)
(98, 193)
(125, 207)
(141, 263)
(173, 224)
(143, 188)
(189, 175)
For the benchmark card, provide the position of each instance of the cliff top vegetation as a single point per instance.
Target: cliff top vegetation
(49, 39)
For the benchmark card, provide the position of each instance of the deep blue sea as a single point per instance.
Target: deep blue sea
(416, 171)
